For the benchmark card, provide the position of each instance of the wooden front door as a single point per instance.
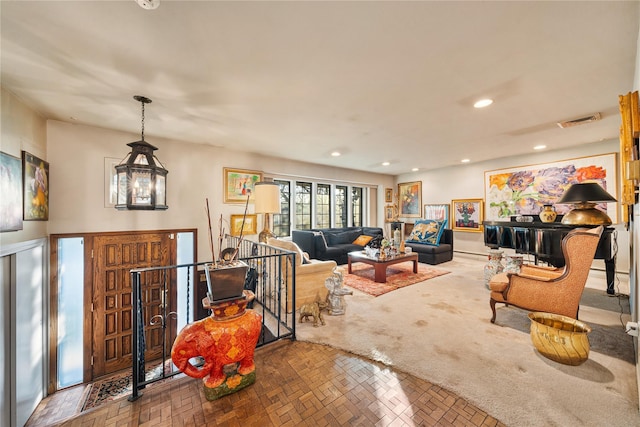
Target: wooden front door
(114, 256)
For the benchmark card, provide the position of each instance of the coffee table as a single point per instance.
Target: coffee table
(380, 265)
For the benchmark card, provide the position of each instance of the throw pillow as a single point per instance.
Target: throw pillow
(427, 231)
(362, 240)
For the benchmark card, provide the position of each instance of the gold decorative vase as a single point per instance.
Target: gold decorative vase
(548, 214)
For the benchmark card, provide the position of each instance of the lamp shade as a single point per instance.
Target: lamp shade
(585, 192)
(584, 197)
(267, 197)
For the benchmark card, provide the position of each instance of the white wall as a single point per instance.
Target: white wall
(76, 155)
(22, 129)
(23, 278)
(466, 181)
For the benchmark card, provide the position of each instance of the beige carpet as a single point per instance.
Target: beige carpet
(439, 330)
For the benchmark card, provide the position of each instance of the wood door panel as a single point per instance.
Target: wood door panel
(115, 256)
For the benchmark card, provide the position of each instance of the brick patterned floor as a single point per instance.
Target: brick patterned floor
(298, 384)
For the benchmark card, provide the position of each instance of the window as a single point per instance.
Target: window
(356, 206)
(323, 206)
(310, 204)
(282, 221)
(341, 206)
(303, 205)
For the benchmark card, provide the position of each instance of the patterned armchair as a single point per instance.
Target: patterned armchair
(548, 289)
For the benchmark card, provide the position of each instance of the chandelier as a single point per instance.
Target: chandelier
(141, 178)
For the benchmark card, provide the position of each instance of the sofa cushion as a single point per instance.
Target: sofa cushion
(372, 231)
(342, 237)
(362, 240)
(427, 231)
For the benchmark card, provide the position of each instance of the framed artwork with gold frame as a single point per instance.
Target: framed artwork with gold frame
(250, 225)
(388, 195)
(467, 214)
(35, 176)
(239, 183)
(524, 190)
(389, 214)
(410, 199)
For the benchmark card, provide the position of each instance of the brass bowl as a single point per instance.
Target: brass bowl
(560, 338)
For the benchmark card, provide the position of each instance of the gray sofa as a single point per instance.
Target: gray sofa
(332, 243)
(430, 254)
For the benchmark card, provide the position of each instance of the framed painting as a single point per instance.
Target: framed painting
(388, 195)
(410, 199)
(467, 214)
(11, 190)
(35, 178)
(524, 190)
(437, 212)
(239, 184)
(389, 212)
(250, 225)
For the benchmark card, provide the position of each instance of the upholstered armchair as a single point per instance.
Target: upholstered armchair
(310, 276)
(548, 289)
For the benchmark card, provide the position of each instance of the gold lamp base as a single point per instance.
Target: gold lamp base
(264, 235)
(586, 214)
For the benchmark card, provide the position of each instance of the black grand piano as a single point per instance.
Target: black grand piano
(543, 241)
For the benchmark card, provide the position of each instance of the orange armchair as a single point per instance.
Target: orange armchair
(548, 289)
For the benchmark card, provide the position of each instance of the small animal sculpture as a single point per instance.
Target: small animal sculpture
(313, 310)
(336, 304)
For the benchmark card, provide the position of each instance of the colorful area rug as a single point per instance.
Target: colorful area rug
(398, 276)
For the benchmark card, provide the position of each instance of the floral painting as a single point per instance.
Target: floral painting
(35, 172)
(410, 198)
(525, 190)
(467, 214)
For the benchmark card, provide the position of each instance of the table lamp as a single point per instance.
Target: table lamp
(267, 201)
(584, 197)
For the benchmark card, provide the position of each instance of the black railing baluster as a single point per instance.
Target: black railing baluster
(271, 294)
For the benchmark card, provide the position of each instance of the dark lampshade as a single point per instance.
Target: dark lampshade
(586, 192)
(585, 196)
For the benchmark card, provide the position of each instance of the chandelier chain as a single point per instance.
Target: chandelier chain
(142, 121)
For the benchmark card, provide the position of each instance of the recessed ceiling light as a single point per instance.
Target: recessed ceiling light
(483, 103)
(415, 170)
(465, 160)
(148, 4)
(540, 147)
(336, 154)
(385, 163)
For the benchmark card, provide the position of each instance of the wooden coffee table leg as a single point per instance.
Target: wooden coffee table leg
(380, 272)
(349, 265)
(415, 266)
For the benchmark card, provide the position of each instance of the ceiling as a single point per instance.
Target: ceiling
(378, 81)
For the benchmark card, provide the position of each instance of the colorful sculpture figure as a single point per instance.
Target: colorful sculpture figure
(227, 341)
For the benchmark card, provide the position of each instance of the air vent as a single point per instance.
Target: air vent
(580, 121)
